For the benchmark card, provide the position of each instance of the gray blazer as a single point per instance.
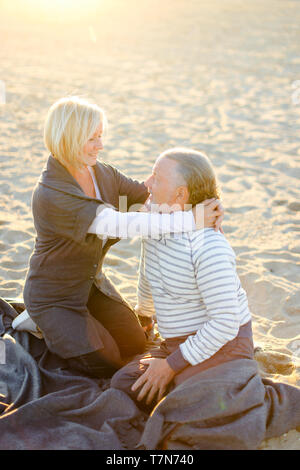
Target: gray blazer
(67, 260)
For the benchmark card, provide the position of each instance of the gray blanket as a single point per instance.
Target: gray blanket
(45, 405)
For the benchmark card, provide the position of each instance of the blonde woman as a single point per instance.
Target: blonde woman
(75, 206)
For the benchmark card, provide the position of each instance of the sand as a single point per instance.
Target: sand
(218, 76)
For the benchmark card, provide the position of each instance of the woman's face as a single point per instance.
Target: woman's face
(92, 147)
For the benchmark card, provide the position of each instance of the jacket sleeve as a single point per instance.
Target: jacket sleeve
(60, 214)
(136, 192)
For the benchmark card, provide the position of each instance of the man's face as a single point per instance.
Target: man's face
(164, 182)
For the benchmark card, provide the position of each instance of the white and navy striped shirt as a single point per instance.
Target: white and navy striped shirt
(190, 282)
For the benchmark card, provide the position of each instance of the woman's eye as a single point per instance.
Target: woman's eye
(94, 138)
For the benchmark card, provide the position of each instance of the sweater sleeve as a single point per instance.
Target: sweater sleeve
(145, 306)
(216, 279)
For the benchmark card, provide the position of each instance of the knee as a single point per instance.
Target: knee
(114, 381)
(121, 380)
(138, 343)
(141, 341)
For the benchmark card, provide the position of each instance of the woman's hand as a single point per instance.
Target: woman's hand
(147, 323)
(210, 213)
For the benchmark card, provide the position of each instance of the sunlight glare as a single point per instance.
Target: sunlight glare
(61, 10)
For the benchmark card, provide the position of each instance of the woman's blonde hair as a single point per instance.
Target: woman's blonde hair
(197, 171)
(70, 123)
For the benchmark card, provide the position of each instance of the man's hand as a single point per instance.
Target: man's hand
(156, 378)
(210, 213)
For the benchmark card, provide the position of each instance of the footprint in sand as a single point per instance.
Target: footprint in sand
(15, 236)
(295, 348)
(273, 362)
(3, 246)
(228, 229)
(240, 209)
(292, 228)
(280, 202)
(293, 304)
(283, 269)
(10, 285)
(294, 206)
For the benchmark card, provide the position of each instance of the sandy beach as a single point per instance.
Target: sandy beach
(218, 76)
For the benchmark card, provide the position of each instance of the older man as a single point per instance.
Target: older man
(189, 282)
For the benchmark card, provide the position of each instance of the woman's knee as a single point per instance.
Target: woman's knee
(140, 341)
(134, 342)
(94, 364)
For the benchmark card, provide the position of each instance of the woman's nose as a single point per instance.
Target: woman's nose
(99, 144)
(148, 182)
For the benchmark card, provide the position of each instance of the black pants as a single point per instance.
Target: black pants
(123, 337)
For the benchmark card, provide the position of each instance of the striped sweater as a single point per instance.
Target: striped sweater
(189, 281)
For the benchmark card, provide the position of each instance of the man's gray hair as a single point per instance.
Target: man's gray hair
(197, 171)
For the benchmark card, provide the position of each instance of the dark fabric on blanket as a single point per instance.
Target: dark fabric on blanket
(46, 405)
(225, 407)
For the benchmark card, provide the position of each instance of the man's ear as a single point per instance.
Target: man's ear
(182, 194)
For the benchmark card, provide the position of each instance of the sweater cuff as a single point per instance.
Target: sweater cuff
(177, 361)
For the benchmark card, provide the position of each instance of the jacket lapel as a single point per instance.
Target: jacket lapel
(104, 183)
(57, 177)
